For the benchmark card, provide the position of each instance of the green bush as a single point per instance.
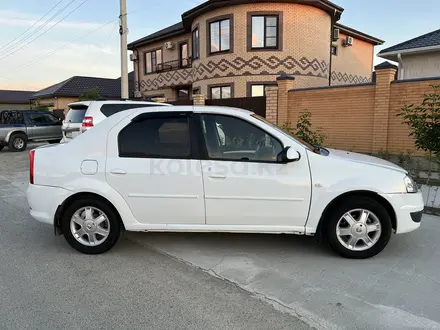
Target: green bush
(304, 131)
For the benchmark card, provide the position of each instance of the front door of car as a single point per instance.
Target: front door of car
(151, 163)
(244, 183)
(44, 125)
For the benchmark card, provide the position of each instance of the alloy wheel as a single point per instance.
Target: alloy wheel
(358, 230)
(90, 226)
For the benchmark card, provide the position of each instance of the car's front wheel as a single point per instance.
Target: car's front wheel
(359, 227)
(91, 226)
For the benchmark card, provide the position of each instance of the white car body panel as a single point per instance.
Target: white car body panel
(211, 195)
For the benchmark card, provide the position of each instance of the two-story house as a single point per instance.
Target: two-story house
(236, 48)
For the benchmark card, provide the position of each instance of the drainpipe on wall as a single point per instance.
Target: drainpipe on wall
(401, 68)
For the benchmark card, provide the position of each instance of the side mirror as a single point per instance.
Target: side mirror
(288, 155)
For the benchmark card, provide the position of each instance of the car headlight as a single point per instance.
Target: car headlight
(410, 184)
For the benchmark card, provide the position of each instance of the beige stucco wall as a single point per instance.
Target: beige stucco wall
(23, 106)
(59, 102)
(353, 64)
(150, 82)
(305, 53)
(421, 66)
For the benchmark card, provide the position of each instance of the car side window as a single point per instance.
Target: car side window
(162, 137)
(110, 109)
(38, 118)
(231, 138)
(51, 119)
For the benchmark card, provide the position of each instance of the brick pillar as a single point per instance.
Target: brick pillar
(285, 84)
(272, 104)
(385, 74)
(199, 99)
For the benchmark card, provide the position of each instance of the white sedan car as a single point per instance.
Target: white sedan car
(213, 169)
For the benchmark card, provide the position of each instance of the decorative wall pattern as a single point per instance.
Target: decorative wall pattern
(238, 66)
(346, 78)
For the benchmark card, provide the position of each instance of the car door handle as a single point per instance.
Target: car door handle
(217, 176)
(118, 172)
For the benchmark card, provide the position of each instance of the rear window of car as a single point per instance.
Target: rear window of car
(76, 114)
(110, 109)
(11, 117)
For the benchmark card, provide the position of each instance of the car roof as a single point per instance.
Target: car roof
(88, 103)
(196, 109)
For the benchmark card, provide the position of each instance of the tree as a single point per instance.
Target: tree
(90, 94)
(424, 123)
(304, 131)
(38, 106)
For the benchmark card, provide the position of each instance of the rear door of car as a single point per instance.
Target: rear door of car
(43, 125)
(153, 163)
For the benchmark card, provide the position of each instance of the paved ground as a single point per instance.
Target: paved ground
(44, 284)
(399, 289)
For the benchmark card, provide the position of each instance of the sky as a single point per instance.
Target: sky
(87, 41)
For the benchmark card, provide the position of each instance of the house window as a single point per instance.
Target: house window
(153, 61)
(265, 32)
(183, 54)
(220, 36)
(334, 50)
(221, 92)
(195, 44)
(260, 89)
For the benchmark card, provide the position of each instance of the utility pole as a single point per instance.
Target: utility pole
(123, 31)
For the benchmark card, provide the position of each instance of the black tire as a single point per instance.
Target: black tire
(1, 147)
(353, 203)
(113, 217)
(18, 142)
(54, 141)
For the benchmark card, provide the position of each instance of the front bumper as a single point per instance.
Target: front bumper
(408, 209)
(44, 201)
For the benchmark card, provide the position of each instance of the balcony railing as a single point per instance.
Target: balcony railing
(173, 65)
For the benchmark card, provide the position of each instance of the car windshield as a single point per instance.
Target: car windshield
(76, 114)
(279, 129)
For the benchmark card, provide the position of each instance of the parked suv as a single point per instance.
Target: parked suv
(86, 114)
(212, 169)
(17, 127)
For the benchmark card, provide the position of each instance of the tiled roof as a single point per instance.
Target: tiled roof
(75, 86)
(15, 97)
(426, 40)
(170, 31)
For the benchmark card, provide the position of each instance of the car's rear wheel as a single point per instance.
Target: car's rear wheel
(18, 142)
(1, 147)
(91, 226)
(54, 141)
(358, 227)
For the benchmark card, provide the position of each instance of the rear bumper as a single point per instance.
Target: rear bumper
(409, 210)
(44, 201)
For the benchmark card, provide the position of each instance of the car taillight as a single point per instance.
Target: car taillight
(31, 166)
(87, 122)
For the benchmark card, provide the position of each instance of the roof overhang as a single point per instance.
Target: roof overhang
(393, 56)
(188, 17)
(359, 35)
(137, 43)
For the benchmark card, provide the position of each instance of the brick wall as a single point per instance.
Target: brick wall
(360, 117)
(345, 114)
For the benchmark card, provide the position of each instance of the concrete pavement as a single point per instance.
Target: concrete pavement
(398, 289)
